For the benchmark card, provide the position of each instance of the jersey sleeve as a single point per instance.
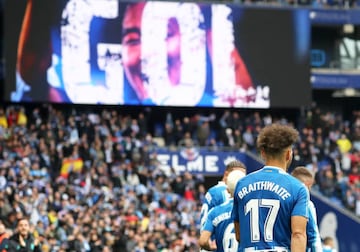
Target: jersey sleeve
(208, 224)
(312, 231)
(315, 247)
(209, 199)
(205, 208)
(301, 207)
(312, 211)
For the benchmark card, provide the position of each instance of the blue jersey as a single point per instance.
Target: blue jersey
(264, 202)
(328, 249)
(221, 225)
(216, 195)
(312, 231)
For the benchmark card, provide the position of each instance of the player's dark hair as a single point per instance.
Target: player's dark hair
(234, 164)
(302, 172)
(275, 138)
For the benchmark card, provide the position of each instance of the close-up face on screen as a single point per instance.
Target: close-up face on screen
(158, 54)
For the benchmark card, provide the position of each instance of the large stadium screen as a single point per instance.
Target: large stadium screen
(156, 53)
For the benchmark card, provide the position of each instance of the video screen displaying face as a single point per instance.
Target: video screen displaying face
(157, 54)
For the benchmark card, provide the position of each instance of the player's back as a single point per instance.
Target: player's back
(220, 223)
(216, 195)
(264, 202)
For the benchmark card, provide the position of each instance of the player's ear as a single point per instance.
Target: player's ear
(262, 154)
(288, 154)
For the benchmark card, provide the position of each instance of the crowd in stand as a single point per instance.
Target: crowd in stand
(92, 182)
(329, 145)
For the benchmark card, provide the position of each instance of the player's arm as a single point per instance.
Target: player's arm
(207, 229)
(299, 220)
(237, 230)
(205, 241)
(298, 233)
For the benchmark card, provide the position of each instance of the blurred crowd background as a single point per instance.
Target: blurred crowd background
(89, 180)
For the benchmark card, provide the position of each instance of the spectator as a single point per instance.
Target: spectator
(119, 170)
(327, 182)
(23, 240)
(344, 144)
(328, 244)
(4, 237)
(3, 119)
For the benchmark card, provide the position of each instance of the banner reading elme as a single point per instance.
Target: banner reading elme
(196, 161)
(156, 53)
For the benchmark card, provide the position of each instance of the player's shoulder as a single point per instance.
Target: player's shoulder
(220, 209)
(296, 183)
(276, 175)
(213, 212)
(227, 204)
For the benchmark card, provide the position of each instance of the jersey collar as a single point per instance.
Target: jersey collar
(274, 168)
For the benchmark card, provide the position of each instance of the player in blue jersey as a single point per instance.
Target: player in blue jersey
(312, 231)
(270, 206)
(219, 222)
(218, 194)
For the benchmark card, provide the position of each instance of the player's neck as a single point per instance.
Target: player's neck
(276, 163)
